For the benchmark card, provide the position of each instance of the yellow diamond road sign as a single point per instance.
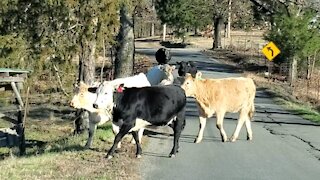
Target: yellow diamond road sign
(271, 51)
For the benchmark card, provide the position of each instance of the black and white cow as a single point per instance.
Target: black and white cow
(187, 67)
(135, 108)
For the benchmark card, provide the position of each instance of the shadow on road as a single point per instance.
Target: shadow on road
(156, 154)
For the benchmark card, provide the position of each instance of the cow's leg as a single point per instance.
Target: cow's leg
(178, 126)
(220, 116)
(140, 134)
(242, 118)
(123, 131)
(92, 129)
(249, 130)
(116, 130)
(202, 125)
(136, 138)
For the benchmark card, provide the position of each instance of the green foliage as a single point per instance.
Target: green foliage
(295, 36)
(13, 51)
(39, 34)
(182, 14)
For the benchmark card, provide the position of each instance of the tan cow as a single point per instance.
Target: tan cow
(218, 96)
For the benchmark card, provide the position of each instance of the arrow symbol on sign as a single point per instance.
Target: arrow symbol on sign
(269, 49)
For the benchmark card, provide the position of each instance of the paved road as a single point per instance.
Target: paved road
(284, 145)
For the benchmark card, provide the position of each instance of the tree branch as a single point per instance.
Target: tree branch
(59, 80)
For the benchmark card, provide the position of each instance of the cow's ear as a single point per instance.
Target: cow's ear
(95, 84)
(120, 88)
(83, 85)
(188, 75)
(162, 67)
(179, 63)
(191, 63)
(198, 75)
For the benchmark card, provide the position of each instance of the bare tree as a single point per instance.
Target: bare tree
(125, 49)
(219, 14)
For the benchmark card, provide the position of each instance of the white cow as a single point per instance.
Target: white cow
(84, 99)
(168, 76)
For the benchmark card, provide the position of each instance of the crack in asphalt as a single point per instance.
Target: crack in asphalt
(309, 143)
(272, 131)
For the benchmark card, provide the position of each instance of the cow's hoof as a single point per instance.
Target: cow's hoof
(249, 138)
(139, 156)
(232, 139)
(197, 141)
(87, 147)
(172, 155)
(109, 157)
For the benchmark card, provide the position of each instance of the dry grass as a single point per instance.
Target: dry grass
(54, 153)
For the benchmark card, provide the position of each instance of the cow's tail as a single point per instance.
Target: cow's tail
(251, 106)
(251, 111)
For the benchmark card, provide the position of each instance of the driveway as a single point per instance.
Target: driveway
(284, 145)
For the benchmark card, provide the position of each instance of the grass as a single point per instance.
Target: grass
(303, 110)
(286, 100)
(54, 153)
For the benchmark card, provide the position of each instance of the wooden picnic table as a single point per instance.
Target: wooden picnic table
(12, 79)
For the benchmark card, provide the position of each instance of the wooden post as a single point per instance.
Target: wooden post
(17, 93)
(20, 127)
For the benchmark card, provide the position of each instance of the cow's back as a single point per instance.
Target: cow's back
(229, 94)
(156, 103)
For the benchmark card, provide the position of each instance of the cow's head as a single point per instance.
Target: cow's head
(189, 84)
(104, 98)
(168, 70)
(186, 67)
(84, 96)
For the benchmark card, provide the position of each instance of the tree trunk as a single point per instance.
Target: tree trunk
(164, 33)
(293, 71)
(228, 30)
(195, 31)
(152, 29)
(86, 70)
(217, 30)
(125, 50)
(308, 68)
(153, 20)
(313, 62)
(88, 60)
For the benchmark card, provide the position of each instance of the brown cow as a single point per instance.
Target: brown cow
(220, 96)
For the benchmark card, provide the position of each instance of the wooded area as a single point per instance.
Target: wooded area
(41, 35)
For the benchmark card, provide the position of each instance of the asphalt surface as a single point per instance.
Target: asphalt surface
(284, 145)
